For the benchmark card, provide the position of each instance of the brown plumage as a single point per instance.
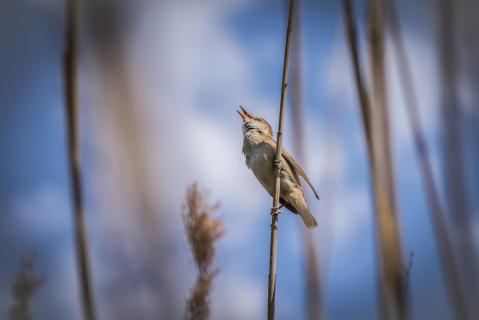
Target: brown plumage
(259, 149)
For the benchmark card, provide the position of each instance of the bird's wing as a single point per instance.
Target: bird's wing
(290, 170)
(286, 168)
(297, 169)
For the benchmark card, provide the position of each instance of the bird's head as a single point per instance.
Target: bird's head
(252, 123)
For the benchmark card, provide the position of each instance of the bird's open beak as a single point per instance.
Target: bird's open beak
(244, 114)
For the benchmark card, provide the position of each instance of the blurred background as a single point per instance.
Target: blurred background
(158, 86)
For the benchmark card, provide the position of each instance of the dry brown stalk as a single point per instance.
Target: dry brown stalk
(436, 209)
(202, 231)
(361, 90)
(71, 93)
(376, 127)
(24, 286)
(273, 251)
(387, 220)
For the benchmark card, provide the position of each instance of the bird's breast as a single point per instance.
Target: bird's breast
(260, 161)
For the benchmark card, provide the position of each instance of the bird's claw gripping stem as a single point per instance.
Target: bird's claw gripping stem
(274, 209)
(277, 164)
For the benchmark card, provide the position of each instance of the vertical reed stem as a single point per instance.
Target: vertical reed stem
(71, 93)
(387, 219)
(393, 301)
(279, 141)
(356, 64)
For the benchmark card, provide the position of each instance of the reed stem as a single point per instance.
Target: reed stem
(393, 302)
(71, 94)
(279, 141)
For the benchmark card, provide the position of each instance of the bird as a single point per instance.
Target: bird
(259, 149)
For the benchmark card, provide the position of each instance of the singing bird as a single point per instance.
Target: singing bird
(259, 149)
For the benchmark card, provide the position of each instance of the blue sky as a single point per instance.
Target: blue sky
(190, 65)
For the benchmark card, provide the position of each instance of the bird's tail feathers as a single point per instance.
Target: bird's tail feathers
(308, 218)
(302, 209)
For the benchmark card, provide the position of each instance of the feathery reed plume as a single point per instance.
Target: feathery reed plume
(273, 250)
(312, 272)
(71, 94)
(436, 209)
(202, 231)
(376, 127)
(24, 286)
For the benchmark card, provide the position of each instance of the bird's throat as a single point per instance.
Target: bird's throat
(252, 137)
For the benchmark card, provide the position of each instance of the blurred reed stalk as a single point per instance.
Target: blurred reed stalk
(279, 142)
(454, 164)
(72, 114)
(436, 209)
(202, 231)
(24, 286)
(312, 272)
(375, 121)
(388, 225)
(123, 114)
(106, 26)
